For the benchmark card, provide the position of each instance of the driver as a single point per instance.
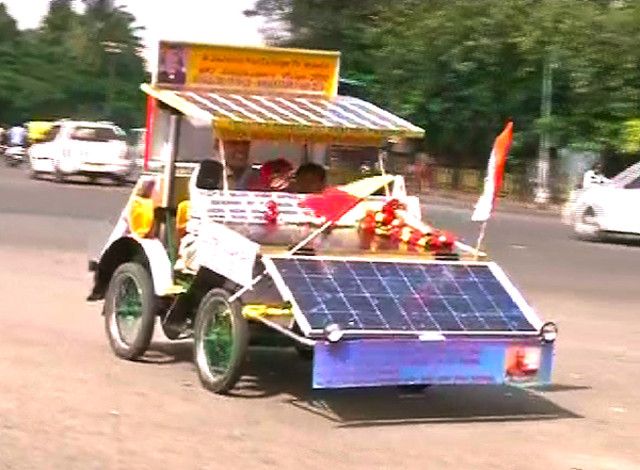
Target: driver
(240, 172)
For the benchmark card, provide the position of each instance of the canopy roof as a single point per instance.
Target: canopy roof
(296, 117)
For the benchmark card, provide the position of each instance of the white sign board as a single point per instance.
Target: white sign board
(226, 252)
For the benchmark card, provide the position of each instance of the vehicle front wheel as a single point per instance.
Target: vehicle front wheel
(130, 311)
(586, 225)
(221, 338)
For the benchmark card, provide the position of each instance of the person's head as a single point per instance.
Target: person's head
(310, 178)
(236, 154)
(597, 167)
(172, 59)
(275, 175)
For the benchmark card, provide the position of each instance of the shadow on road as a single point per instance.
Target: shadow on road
(272, 372)
(80, 181)
(168, 353)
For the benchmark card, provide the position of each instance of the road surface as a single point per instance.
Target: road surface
(67, 402)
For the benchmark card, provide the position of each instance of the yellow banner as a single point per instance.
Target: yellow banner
(227, 129)
(269, 70)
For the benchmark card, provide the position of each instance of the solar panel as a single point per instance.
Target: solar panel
(404, 297)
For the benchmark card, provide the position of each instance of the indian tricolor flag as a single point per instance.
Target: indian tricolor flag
(495, 173)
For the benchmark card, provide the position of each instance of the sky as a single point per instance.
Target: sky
(209, 21)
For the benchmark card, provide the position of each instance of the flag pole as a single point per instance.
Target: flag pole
(492, 182)
(483, 228)
(328, 223)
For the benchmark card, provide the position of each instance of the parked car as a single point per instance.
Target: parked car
(608, 208)
(91, 149)
(137, 144)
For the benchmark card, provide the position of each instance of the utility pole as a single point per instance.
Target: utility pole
(543, 194)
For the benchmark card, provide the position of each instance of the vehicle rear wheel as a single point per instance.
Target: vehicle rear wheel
(221, 338)
(130, 311)
(59, 176)
(586, 226)
(119, 180)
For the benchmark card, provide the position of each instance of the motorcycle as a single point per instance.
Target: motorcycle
(15, 155)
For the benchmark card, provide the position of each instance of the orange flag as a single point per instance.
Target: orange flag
(495, 174)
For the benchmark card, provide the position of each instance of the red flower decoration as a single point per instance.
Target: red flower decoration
(389, 224)
(271, 215)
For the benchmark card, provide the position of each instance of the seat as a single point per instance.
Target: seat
(141, 216)
(209, 175)
(183, 213)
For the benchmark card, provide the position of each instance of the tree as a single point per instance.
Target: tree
(8, 27)
(460, 69)
(63, 69)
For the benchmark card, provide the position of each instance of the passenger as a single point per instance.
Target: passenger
(239, 169)
(310, 178)
(275, 175)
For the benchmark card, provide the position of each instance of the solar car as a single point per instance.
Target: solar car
(346, 272)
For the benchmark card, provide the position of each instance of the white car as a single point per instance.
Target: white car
(91, 149)
(609, 208)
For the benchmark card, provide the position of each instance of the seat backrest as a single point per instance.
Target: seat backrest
(209, 175)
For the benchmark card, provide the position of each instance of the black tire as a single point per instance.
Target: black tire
(124, 277)
(231, 351)
(586, 228)
(119, 180)
(59, 176)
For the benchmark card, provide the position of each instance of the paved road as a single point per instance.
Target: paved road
(67, 402)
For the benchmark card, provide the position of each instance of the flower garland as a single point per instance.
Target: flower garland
(392, 222)
(272, 213)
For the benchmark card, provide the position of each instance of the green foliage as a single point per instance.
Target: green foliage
(63, 68)
(462, 68)
(630, 138)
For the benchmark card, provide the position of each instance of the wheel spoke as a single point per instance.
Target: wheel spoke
(128, 307)
(218, 340)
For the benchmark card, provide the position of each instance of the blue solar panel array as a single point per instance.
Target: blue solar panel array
(394, 296)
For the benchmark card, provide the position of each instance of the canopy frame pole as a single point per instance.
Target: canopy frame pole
(381, 158)
(170, 167)
(225, 172)
(168, 191)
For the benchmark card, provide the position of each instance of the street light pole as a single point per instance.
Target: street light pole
(542, 188)
(111, 48)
